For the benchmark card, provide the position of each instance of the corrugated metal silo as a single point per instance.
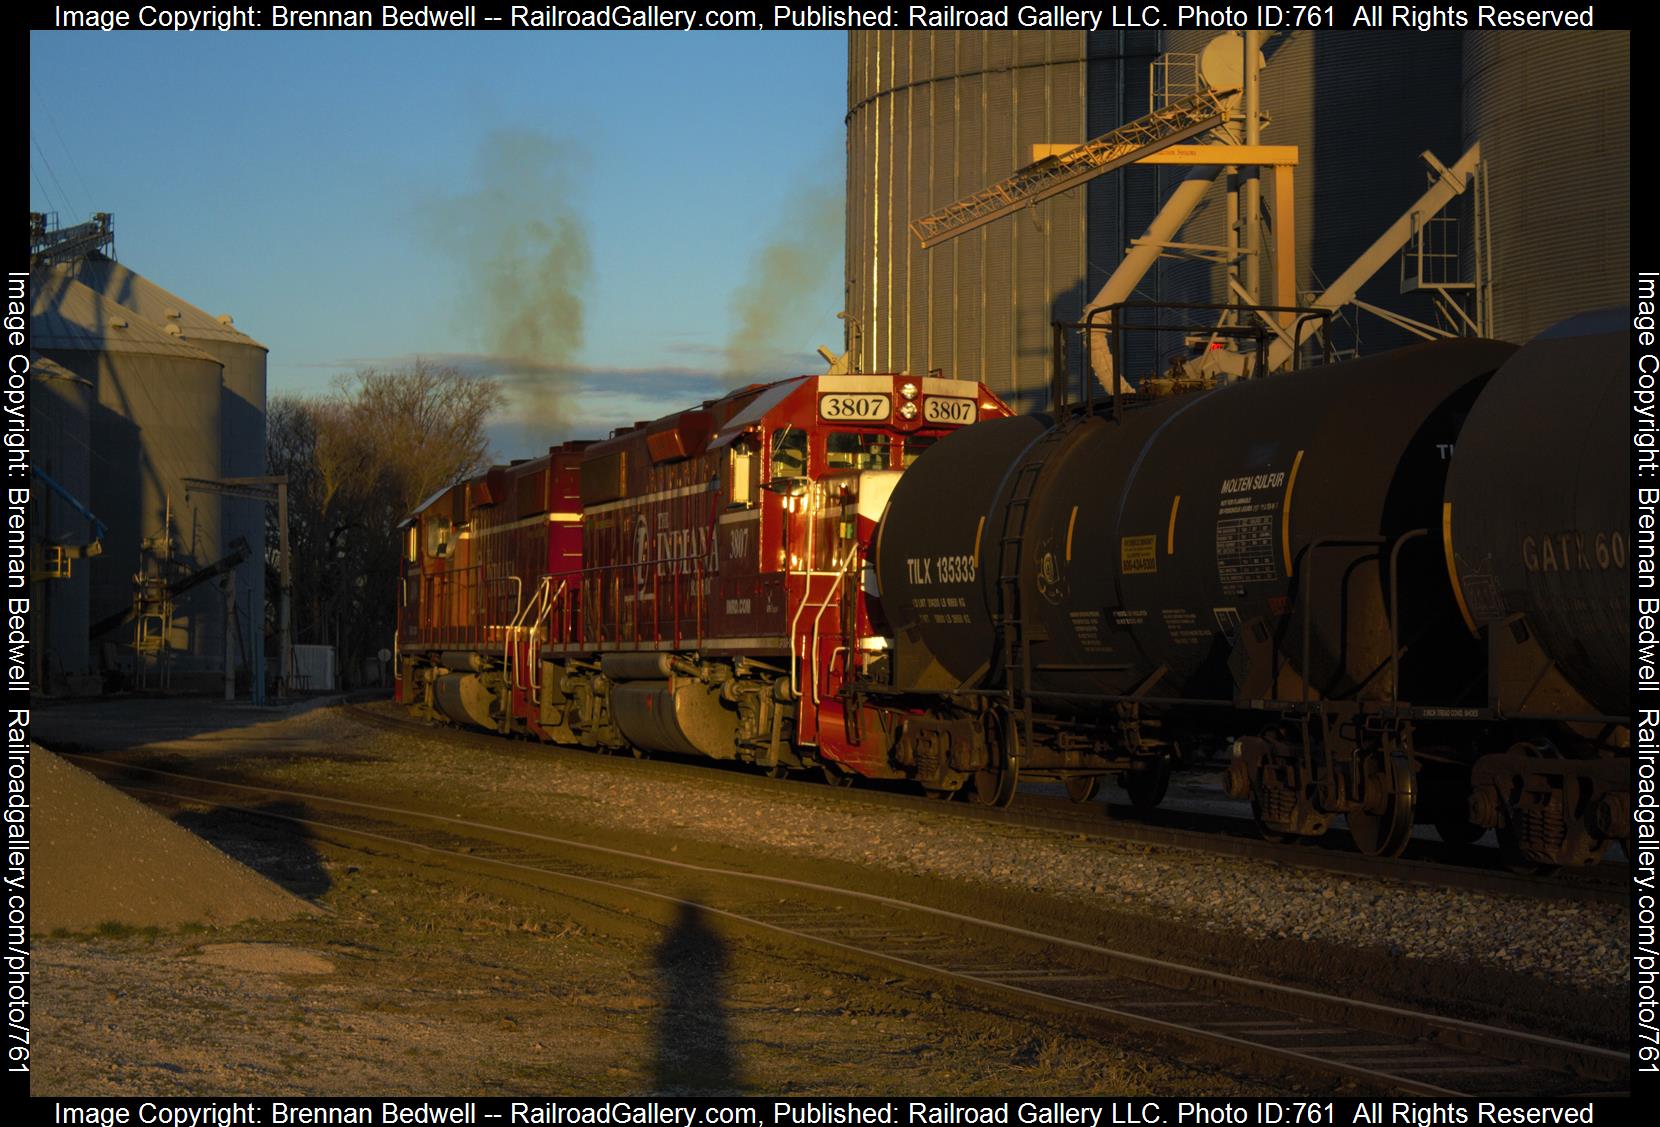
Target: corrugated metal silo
(242, 407)
(1360, 106)
(1553, 114)
(933, 116)
(155, 421)
(60, 417)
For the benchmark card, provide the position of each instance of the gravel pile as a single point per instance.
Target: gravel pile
(99, 858)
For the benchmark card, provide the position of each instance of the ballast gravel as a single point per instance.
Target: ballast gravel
(1579, 944)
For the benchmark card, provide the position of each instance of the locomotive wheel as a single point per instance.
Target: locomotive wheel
(835, 776)
(778, 771)
(1384, 826)
(1082, 788)
(1147, 788)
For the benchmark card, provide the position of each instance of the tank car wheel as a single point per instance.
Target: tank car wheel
(1082, 788)
(1277, 837)
(1517, 859)
(994, 787)
(1458, 831)
(1147, 788)
(1384, 826)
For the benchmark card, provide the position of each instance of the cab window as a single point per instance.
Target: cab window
(856, 451)
(789, 453)
(742, 472)
(440, 537)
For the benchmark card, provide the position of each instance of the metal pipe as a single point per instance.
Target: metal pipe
(285, 633)
(1143, 253)
(1251, 205)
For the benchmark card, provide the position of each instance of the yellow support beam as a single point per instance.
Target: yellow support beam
(1262, 155)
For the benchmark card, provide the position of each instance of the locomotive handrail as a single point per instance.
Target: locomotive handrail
(526, 611)
(453, 590)
(841, 574)
(655, 625)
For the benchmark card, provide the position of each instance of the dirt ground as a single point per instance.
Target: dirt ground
(420, 979)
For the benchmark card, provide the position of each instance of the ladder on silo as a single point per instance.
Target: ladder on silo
(1180, 120)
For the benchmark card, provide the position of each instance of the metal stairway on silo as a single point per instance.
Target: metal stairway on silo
(1178, 121)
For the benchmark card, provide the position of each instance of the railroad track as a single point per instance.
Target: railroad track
(1376, 1046)
(1215, 834)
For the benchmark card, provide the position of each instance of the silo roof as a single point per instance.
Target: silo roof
(45, 368)
(115, 282)
(63, 314)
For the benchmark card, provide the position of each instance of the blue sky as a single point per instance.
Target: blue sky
(615, 223)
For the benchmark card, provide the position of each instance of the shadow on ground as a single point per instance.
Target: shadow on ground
(693, 1043)
(278, 850)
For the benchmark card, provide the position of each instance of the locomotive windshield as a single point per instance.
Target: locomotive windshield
(848, 450)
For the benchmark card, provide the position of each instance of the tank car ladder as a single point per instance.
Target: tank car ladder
(1008, 620)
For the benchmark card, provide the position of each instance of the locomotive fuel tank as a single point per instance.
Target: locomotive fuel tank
(1537, 516)
(1161, 552)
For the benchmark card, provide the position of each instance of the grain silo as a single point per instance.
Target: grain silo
(242, 402)
(935, 116)
(155, 422)
(60, 426)
(1360, 106)
(1552, 112)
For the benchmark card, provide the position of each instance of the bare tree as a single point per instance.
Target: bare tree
(358, 461)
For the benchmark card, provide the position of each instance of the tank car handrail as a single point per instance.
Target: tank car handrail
(1395, 612)
(1303, 579)
(1105, 318)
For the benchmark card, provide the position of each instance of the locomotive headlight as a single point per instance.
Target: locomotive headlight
(907, 410)
(907, 391)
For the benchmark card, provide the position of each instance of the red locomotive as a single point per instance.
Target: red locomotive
(700, 584)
